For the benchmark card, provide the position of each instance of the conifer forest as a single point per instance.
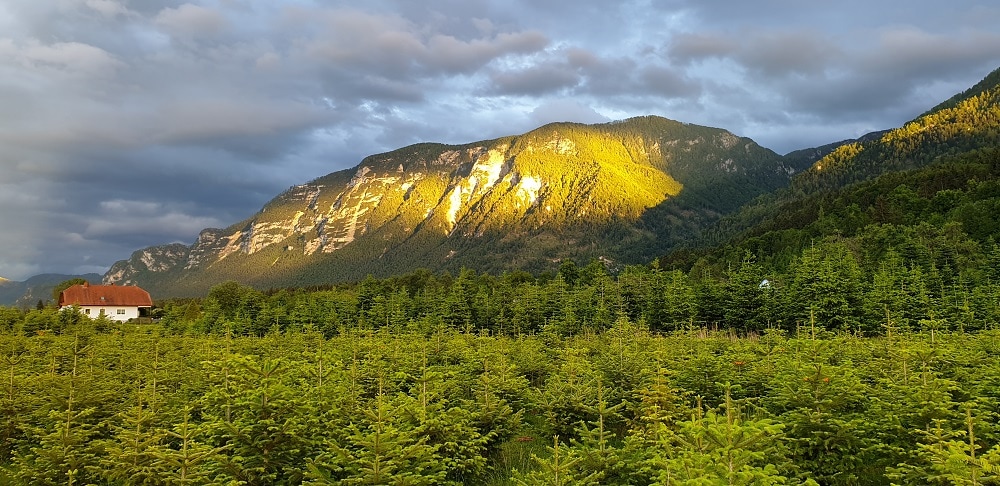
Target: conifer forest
(831, 372)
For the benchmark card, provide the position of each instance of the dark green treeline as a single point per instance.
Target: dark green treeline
(933, 278)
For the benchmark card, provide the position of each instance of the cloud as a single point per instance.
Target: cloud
(689, 47)
(60, 58)
(559, 110)
(392, 47)
(191, 21)
(534, 80)
(107, 8)
(768, 54)
(668, 83)
(456, 56)
(201, 120)
(131, 123)
(142, 220)
(910, 51)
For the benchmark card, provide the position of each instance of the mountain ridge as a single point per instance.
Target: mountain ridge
(883, 178)
(37, 287)
(689, 199)
(624, 191)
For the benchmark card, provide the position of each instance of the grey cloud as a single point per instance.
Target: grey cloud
(668, 82)
(565, 110)
(201, 111)
(694, 46)
(144, 220)
(609, 76)
(359, 88)
(456, 56)
(768, 53)
(194, 120)
(891, 73)
(393, 47)
(534, 80)
(586, 73)
(787, 53)
(919, 53)
(59, 59)
(189, 20)
(583, 59)
(811, 73)
(107, 8)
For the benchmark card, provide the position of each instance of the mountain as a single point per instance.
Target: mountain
(939, 169)
(966, 122)
(624, 192)
(805, 158)
(39, 287)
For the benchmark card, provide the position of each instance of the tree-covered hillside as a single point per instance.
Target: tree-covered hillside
(624, 191)
(432, 405)
(968, 121)
(934, 176)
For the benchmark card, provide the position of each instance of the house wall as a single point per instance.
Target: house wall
(111, 311)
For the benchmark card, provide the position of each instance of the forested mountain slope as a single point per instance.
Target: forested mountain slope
(938, 171)
(968, 121)
(624, 192)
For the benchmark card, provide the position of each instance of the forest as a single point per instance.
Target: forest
(141, 404)
(837, 369)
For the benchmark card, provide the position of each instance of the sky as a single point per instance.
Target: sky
(131, 123)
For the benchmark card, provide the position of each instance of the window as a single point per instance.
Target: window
(86, 311)
(121, 312)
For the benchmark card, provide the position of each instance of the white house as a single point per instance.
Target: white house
(117, 302)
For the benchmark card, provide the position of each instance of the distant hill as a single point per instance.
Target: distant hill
(624, 192)
(39, 287)
(805, 158)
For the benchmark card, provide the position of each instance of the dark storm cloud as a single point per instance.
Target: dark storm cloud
(668, 83)
(128, 123)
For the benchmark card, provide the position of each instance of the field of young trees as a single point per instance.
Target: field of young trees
(139, 405)
(833, 371)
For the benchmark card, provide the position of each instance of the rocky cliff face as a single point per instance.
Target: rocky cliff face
(155, 259)
(622, 191)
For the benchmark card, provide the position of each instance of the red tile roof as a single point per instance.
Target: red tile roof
(106, 295)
